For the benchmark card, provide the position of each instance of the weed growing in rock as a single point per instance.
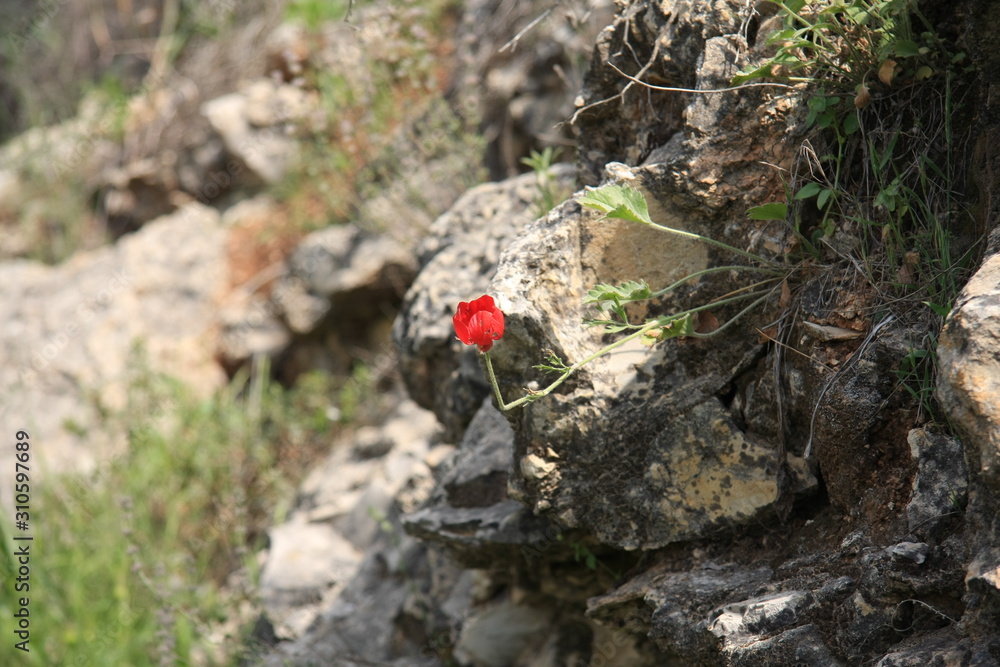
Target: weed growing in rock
(874, 188)
(548, 191)
(625, 203)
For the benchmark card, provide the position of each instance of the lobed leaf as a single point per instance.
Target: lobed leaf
(618, 201)
(632, 290)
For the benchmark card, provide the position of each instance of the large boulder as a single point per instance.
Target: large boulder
(71, 330)
(458, 259)
(638, 447)
(645, 447)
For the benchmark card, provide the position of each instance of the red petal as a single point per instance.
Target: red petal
(479, 322)
(485, 302)
(462, 327)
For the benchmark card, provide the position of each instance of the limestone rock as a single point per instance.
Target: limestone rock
(969, 383)
(305, 561)
(499, 635)
(799, 646)
(71, 329)
(353, 482)
(938, 648)
(469, 513)
(342, 537)
(708, 144)
(457, 261)
(249, 328)
(519, 68)
(642, 451)
(255, 124)
(341, 275)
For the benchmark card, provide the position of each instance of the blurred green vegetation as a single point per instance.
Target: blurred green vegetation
(150, 559)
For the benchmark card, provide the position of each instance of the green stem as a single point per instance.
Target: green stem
(493, 382)
(706, 239)
(714, 269)
(534, 396)
(649, 326)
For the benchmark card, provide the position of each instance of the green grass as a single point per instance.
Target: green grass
(881, 180)
(134, 565)
(314, 13)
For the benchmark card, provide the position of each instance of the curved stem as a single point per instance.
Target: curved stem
(649, 326)
(732, 319)
(534, 396)
(714, 269)
(710, 241)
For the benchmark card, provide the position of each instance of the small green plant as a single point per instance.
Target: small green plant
(314, 13)
(609, 301)
(549, 193)
(583, 554)
(917, 375)
(873, 68)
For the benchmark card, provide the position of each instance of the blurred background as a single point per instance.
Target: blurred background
(209, 213)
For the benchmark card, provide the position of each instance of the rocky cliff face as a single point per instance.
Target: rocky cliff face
(752, 506)
(768, 496)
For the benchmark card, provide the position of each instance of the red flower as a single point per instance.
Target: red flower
(479, 322)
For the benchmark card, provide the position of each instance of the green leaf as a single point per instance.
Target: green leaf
(632, 290)
(851, 124)
(905, 48)
(772, 211)
(942, 311)
(793, 6)
(618, 201)
(823, 198)
(808, 190)
(675, 328)
(762, 72)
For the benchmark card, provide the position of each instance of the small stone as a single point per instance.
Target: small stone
(536, 467)
(915, 552)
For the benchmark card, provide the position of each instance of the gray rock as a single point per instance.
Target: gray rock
(758, 616)
(941, 483)
(498, 635)
(519, 68)
(799, 646)
(681, 602)
(969, 380)
(355, 485)
(912, 552)
(983, 573)
(937, 648)
(469, 513)
(254, 124)
(70, 332)
(305, 563)
(457, 261)
(864, 628)
(337, 572)
(686, 45)
(341, 276)
(249, 328)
